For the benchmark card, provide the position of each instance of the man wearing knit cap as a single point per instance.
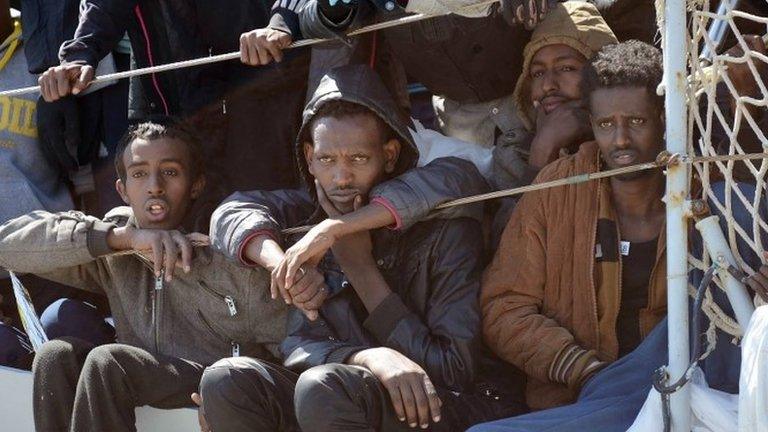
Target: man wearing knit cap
(548, 95)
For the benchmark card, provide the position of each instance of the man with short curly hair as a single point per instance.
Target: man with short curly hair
(578, 285)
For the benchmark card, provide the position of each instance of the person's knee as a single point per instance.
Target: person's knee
(106, 360)
(68, 317)
(316, 390)
(220, 384)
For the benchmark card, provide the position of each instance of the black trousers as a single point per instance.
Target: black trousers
(245, 394)
(83, 388)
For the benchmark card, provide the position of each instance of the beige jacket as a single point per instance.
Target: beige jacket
(219, 309)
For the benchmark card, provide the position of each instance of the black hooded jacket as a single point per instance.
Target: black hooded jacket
(432, 267)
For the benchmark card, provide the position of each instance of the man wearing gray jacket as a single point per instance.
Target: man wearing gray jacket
(170, 322)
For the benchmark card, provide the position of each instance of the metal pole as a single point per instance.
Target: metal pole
(674, 83)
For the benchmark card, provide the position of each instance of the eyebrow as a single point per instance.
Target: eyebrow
(557, 59)
(144, 163)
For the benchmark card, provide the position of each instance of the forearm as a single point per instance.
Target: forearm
(41, 242)
(368, 282)
(369, 217)
(264, 251)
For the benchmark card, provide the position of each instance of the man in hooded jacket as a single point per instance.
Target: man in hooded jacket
(397, 341)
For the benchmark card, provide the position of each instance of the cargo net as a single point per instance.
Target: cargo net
(728, 115)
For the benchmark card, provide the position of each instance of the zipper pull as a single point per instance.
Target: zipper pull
(231, 305)
(223, 106)
(235, 349)
(159, 281)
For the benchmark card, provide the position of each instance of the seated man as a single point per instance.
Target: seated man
(580, 278)
(548, 94)
(397, 342)
(170, 324)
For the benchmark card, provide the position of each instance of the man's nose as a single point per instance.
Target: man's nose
(549, 82)
(622, 139)
(342, 177)
(155, 185)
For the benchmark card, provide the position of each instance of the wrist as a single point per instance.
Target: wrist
(264, 251)
(119, 238)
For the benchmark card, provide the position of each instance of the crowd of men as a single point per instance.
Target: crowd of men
(543, 313)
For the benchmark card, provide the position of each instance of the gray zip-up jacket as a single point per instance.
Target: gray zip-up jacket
(220, 309)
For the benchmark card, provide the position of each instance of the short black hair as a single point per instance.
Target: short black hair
(628, 64)
(339, 108)
(156, 129)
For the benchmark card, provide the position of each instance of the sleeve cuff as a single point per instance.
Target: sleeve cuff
(244, 244)
(381, 322)
(388, 205)
(96, 239)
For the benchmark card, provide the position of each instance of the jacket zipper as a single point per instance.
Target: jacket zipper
(228, 300)
(234, 346)
(157, 305)
(592, 269)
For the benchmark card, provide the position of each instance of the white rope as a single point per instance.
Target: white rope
(236, 54)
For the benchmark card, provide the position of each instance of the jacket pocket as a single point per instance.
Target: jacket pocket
(227, 300)
(220, 336)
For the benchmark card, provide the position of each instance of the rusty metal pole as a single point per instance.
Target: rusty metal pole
(675, 86)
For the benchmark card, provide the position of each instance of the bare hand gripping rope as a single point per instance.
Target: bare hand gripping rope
(236, 54)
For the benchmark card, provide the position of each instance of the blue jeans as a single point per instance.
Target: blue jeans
(64, 317)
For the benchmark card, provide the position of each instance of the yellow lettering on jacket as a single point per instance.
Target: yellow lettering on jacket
(18, 116)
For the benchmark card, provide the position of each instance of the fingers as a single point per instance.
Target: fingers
(325, 203)
(185, 246)
(434, 400)
(171, 254)
(157, 256)
(306, 287)
(84, 78)
(421, 402)
(244, 57)
(409, 404)
(278, 279)
(317, 300)
(396, 399)
(276, 41)
(358, 203)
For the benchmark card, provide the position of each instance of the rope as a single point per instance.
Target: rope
(664, 159)
(236, 54)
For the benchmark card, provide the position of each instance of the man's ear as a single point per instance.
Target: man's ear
(309, 151)
(198, 186)
(391, 154)
(120, 186)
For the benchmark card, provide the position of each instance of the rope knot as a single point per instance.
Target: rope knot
(666, 158)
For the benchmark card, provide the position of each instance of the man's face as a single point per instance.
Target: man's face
(158, 183)
(555, 75)
(628, 127)
(349, 157)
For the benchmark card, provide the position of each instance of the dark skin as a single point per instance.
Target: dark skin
(555, 79)
(159, 186)
(348, 157)
(6, 23)
(629, 128)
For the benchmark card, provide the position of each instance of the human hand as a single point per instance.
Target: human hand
(259, 47)
(740, 74)
(758, 281)
(411, 392)
(308, 292)
(164, 247)
(63, 80)
(526, 12)
(198, 400)
(556, 131)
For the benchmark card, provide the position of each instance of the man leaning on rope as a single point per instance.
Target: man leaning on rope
(576, 294)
